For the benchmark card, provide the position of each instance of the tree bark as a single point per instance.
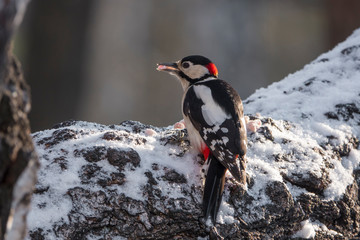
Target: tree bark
(142, 182)
(18, 160)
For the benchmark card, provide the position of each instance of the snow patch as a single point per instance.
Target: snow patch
(307, 231)
(306, 99)
(61, 165)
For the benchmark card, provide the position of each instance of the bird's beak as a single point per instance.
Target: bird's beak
(168, 67)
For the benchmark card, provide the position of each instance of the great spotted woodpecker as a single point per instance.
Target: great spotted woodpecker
(213, 115)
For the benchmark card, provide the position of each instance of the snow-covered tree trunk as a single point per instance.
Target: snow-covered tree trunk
(141, 182)
(18, 161)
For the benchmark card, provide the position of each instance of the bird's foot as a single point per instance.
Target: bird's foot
(175, 137)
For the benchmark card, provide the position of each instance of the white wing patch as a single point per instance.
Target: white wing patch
(224, 130)
(225, 140)
(211, 111)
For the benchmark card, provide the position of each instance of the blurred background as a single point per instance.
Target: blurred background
(95, 60)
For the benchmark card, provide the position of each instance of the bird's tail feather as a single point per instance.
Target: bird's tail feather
(214, 187)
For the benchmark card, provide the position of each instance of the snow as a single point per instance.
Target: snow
(297, 105)
(272, 101)
(303, 98)
(340, 179)
(309, 229)
(54, 205)
(226, 212)
(353, 161)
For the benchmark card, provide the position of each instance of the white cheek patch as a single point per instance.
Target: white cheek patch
(211, 111)
(196, 71)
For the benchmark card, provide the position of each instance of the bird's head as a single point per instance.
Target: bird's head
(190, 69)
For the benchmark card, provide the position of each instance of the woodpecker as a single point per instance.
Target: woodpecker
(213, 116)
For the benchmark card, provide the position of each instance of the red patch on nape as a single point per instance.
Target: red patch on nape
(206, 153)
(212, 69)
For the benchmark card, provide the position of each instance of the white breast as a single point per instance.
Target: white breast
(195, 139)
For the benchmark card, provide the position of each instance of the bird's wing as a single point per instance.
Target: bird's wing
(217, 116)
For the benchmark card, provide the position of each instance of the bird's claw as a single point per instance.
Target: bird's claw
(175, 136)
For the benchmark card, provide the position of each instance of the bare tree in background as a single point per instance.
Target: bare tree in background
(344, 18)
(55, 40)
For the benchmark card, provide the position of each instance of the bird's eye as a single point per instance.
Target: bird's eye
(185, 65)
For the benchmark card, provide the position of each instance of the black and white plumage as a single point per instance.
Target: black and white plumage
(213, 115)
